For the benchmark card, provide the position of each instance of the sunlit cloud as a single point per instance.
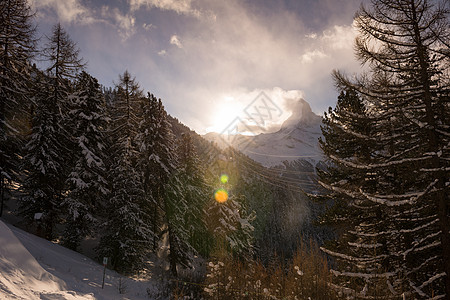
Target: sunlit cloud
(175, 40)
(339, 37)
(310, 56)
(276, 107)
(179, 6)
(124, 22)
(67, 11)
(230, 51)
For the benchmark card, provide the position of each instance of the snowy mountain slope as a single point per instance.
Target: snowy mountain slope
(34, 268)
(296, 139)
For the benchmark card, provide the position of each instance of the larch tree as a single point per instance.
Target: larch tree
(17, 47)
(64, 64)
(405, 44)
(48, 151)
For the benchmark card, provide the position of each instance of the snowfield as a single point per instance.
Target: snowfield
(34, 268)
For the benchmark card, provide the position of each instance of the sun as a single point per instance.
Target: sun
(225, 112)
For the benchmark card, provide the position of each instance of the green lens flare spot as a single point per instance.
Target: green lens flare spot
(224, 178)
(221, 195)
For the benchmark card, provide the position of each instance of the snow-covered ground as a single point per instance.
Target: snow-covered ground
(34, 268)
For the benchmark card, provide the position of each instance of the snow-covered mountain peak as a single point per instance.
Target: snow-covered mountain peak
(301, 116)
(297, 139)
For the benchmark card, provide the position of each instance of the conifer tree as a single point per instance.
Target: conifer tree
(157, 160)
(196, 193)
(405, 44)
(86, 183)
(158, 165)
(347, 136)
(63, 58)
(231, 226)
(127, 234)
(42, 162)
(17, 48)
(48, 152)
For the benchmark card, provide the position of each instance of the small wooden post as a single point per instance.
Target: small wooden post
(105, 262)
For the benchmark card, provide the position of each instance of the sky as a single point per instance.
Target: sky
(208, 59)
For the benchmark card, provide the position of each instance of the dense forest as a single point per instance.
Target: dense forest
(79, 159)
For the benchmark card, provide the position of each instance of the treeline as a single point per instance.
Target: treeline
(387, 141)
(101, 161)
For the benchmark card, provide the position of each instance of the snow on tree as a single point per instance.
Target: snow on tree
(42, 163)
(196, 193)
(363, 256)
(158, 164)
(231, 226)
(405, 45)
(87, 180)
(64, 63)
(17, 48)
(127, 234)
(48, 153)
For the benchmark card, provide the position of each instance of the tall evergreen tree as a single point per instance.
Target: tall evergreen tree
(196, 193)
(157, 157)
(360, 254)
(230, 224)
(127, 234)
(158, 164)
(63, 58)
(87, 180)
(17, 46)
(405, 43)
(48, 152)
(42, 162)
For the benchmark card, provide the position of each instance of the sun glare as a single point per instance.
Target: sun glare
(224, 114)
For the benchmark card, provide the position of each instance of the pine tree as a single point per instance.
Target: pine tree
(86, 183)
(64, 60)
(405, 44)
(196, 193)
(127, 234)
(42, 162)
(158, 164)
(359, 253)
(48, 152)
(17, 48)
(231, 226)
(147, 161)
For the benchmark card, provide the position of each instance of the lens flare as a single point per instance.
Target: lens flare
(221, 195)
(224, 178)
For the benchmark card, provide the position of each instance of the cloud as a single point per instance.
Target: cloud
(67, 11)
(124, 22)
(239, 51)
(175, 40)
(242, 51)
(147, 27)
(179, 6)
(339, 37)
(310, 56)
